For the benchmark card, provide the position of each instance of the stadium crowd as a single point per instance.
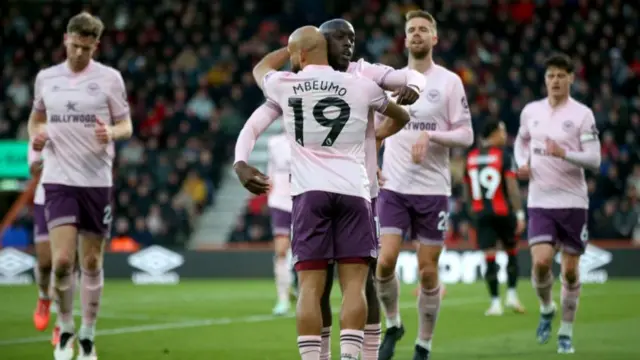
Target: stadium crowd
(187, 69)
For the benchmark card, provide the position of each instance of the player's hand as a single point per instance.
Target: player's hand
(104, 132)
(406, 95)
(381, 178)
(419, 149)
(521, 225)
(251, 178)
(554, 149)
(35, 168)
(39, 141)
(524, 172)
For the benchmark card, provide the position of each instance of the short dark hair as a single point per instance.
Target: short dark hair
(489, 127)
(420, 14)
(560, 61)
(85, 24)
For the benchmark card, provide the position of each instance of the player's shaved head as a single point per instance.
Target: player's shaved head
(335, 24)
(307, 46)
(341, 38)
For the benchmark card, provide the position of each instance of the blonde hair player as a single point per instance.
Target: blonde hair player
(80, 108)
(415, 196)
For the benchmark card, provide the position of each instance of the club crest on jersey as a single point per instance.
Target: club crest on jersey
(567, 125)
(433, 95)
(93, 89)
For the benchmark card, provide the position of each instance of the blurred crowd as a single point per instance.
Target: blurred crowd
(187, 67)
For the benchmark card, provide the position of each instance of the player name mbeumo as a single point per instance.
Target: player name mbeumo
(319, 85)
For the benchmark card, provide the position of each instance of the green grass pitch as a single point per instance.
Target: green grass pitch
(198, 320)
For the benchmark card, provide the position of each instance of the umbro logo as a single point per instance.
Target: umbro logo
(14, 264)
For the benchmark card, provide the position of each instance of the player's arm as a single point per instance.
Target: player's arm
(396, 117)
(34, 160)
(460, 133)
(513, 188)
(37, 123)
(521, 146)
(589, 157)
(122, 127)
(257, 123)
(391, 79)
(251, 178)
(271, 62)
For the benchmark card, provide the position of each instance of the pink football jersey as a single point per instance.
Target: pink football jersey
(441, 108)
(326, 116)
(73, 103)
(279, 168)
(386, 77)
(555, 182)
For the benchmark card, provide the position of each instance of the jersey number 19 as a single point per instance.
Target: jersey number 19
(336, 124)
(486, 180)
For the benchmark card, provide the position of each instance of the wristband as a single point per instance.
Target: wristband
(520, 215)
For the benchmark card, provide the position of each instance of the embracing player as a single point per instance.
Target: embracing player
(406, 84)
(279, 201)
(80, 107)
(556, 141)
(326, 115)
(493, 195)
(415, 195)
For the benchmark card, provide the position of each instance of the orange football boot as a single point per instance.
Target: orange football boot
(42, 314)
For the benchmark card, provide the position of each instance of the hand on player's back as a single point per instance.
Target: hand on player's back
(39, 141)
(251, 178)
(419, 149)
(406, 95)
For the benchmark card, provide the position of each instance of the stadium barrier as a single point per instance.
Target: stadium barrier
(158, 265)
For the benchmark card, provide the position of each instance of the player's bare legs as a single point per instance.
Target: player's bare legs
(353, 313)
(311, 284)
(389, 292)
(282, 274)
(92, 282)
(63, 251)
(542, 280)
(43, 276)
(569, 300)
(372, 330)
(429, 298)
(327, 316)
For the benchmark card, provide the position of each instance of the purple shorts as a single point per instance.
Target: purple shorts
(280, 222)
(426, 216)
(88, 208)
(564, 227)
(40, 230)
(329, 226)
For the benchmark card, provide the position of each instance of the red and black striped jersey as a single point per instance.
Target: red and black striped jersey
(485, 174)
